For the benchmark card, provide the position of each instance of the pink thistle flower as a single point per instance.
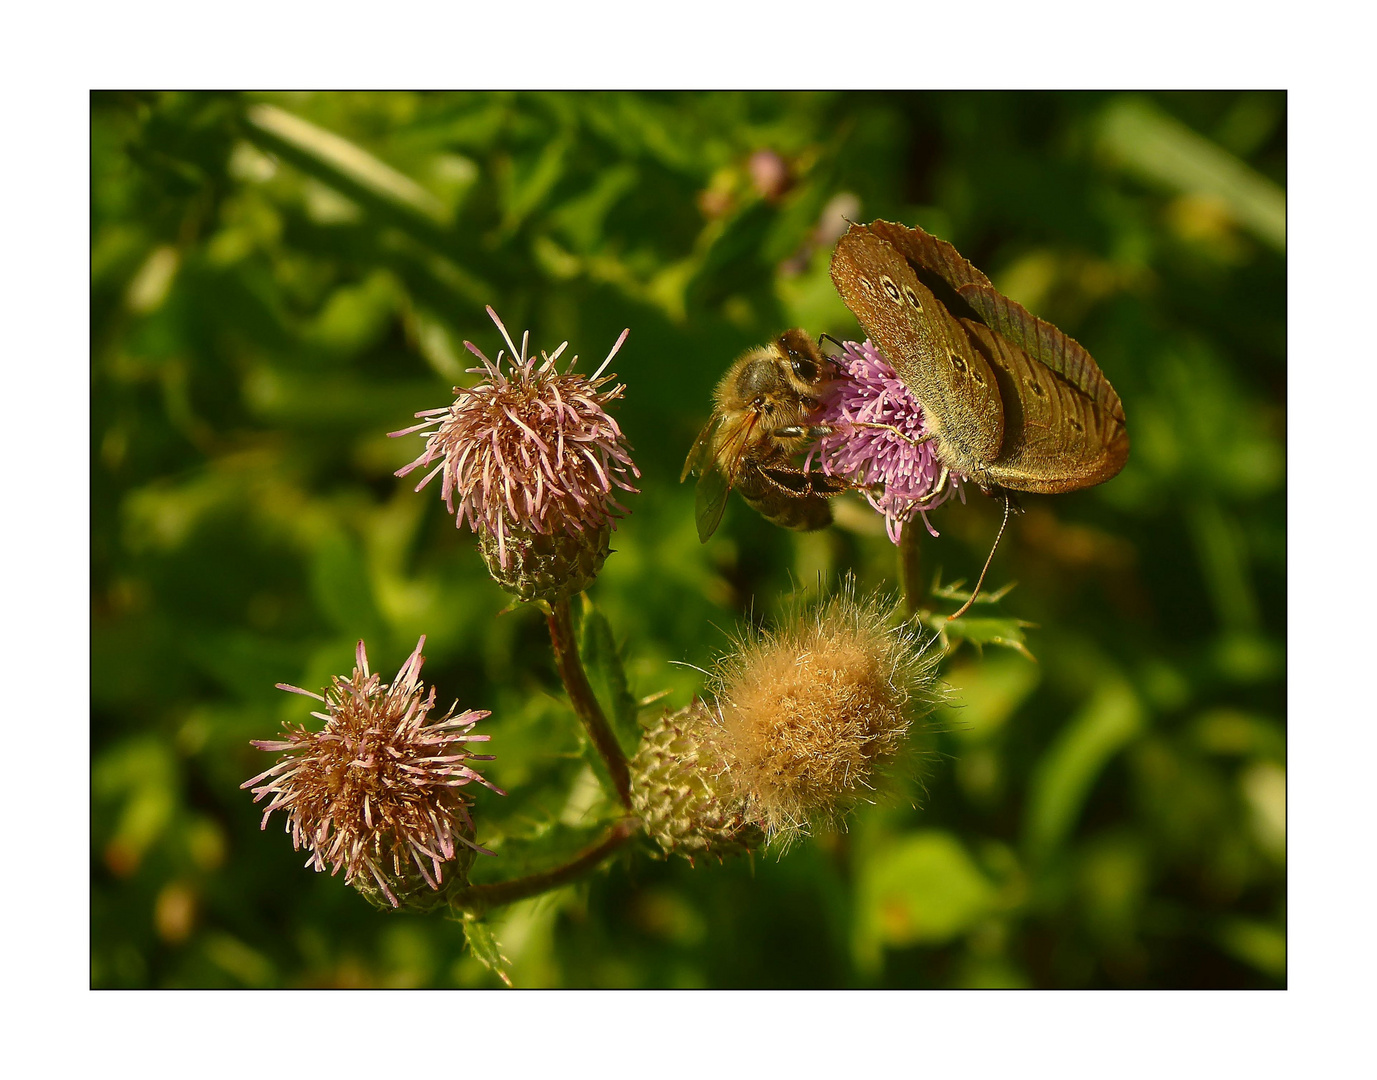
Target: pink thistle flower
(877, 440)
(528, 449)
(376, 791)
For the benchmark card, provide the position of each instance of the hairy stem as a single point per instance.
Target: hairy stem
(477, 899)
(566, 648)
(908, 569)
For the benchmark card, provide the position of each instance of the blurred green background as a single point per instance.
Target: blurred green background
(279, 280)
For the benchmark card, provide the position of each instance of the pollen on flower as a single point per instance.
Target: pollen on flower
(812, 714)
(875, 442)
(529, 451)
(376, 791)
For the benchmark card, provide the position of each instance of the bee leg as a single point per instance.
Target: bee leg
(798, 431)
(802, 484)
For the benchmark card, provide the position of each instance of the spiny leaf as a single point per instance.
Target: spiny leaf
(485, 946)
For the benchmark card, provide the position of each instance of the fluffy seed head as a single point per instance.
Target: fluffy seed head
(812, 714)
(877, 423)
(376, 792)
(530, 450)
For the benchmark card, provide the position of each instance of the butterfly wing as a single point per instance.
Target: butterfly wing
(927, 345)
(1063, 423)
(1045, 344)
(1056, 437)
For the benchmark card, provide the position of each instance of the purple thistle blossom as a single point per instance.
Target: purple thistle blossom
(376, 791)
(878, 424)
(528, 448)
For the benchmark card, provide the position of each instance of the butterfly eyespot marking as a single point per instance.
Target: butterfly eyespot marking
(978, 377)
(956, 361)
(891, 289)
(912, 297)
(1075, 423)
(1036, 387)
(865, 284)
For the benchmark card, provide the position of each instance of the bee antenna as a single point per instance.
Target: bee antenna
(1008, 507)
(829, 337)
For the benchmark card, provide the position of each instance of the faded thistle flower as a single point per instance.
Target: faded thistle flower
(812, 714)
(878, 425)
(680, 791)
(376, 792)
(534, 459)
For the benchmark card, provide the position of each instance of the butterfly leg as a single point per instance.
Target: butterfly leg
(940, 488)
(927, 436)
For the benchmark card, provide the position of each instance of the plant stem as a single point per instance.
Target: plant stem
(477, 899)
(566, 648)
(908, 569)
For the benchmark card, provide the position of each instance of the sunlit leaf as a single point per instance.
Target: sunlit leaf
(335, 158)
(1160, 148)
(919, 888)
(1063, 777)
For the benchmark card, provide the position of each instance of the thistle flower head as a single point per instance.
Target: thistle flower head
(376, 792)
(877, 424)
(529, 452)
(812, 714)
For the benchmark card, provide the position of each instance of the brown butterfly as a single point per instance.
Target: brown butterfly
(1010, 401)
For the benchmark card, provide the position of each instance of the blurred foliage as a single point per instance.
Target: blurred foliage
(278, 280)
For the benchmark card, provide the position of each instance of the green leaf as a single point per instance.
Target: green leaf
(525, 184)
(992, 630)
(580, 219)
(486, 948)
(344, 165)
(1146, 141)
(537, 847)
(607, 674)
(1063, 778)
(920, 888)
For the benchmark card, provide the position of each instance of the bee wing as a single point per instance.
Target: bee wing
(699, 459)
(709, 500)
(718, 473)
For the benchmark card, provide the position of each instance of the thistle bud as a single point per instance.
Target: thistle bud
(546, 566)
(813, 714)
(679, 791)
(535, 459)
(376, 792)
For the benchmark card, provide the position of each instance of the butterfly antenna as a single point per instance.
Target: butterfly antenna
(1008, 506)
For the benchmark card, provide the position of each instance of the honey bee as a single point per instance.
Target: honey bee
(765, 406)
